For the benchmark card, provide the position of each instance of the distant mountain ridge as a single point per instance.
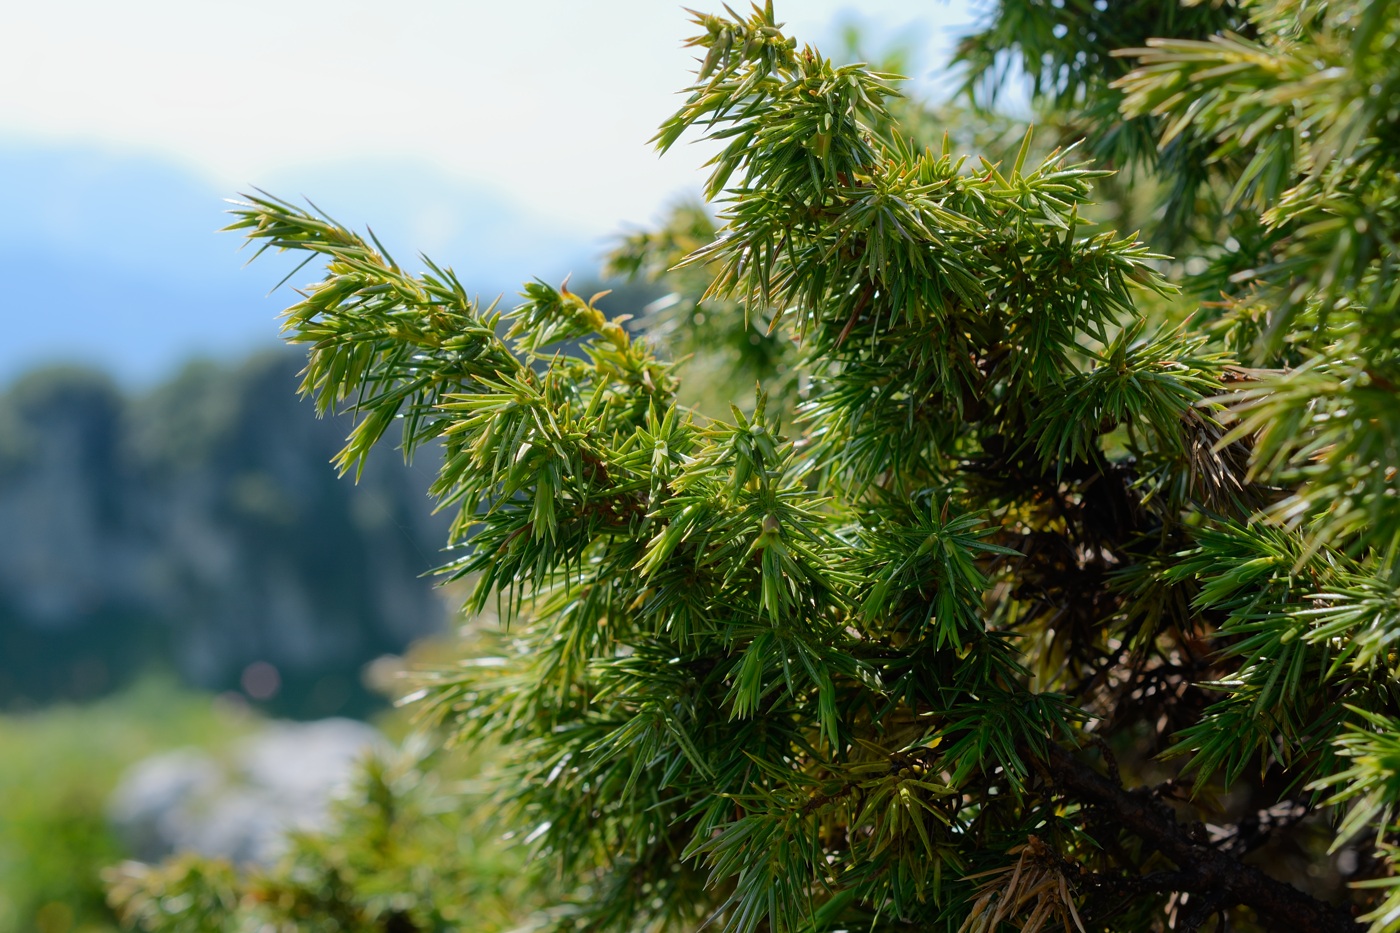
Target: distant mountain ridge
(113, 260)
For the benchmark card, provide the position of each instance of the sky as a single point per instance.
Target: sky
(505, 139)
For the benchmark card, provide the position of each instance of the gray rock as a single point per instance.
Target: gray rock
(241, 807)
(147, 807)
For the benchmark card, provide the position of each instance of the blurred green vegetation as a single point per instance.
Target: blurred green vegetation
(407, 834)
(410, 850)
(407, 855)
(58, 766)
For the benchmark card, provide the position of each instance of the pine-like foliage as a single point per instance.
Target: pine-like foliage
(1055, 598)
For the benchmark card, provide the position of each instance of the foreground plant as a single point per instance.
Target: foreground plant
(1052, 603)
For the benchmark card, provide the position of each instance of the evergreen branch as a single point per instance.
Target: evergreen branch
(802, 683)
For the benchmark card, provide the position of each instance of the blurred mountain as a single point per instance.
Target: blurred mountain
(113, 260)
(200, 526)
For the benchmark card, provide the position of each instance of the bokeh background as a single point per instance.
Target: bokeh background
(183, 578)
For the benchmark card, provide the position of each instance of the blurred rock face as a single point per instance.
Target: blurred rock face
(240, 808)
(201, 527)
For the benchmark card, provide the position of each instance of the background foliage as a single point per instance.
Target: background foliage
(194, 529)
(58, 768)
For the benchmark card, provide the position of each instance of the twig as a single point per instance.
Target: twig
(1205, 871)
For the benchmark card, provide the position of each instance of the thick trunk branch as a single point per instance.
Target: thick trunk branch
(1205, 871)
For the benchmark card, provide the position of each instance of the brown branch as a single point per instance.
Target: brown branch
(1380, 382)
(1203, 870)
(861, 301)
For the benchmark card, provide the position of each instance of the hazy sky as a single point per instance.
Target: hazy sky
(553, 100)
(507, 138)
